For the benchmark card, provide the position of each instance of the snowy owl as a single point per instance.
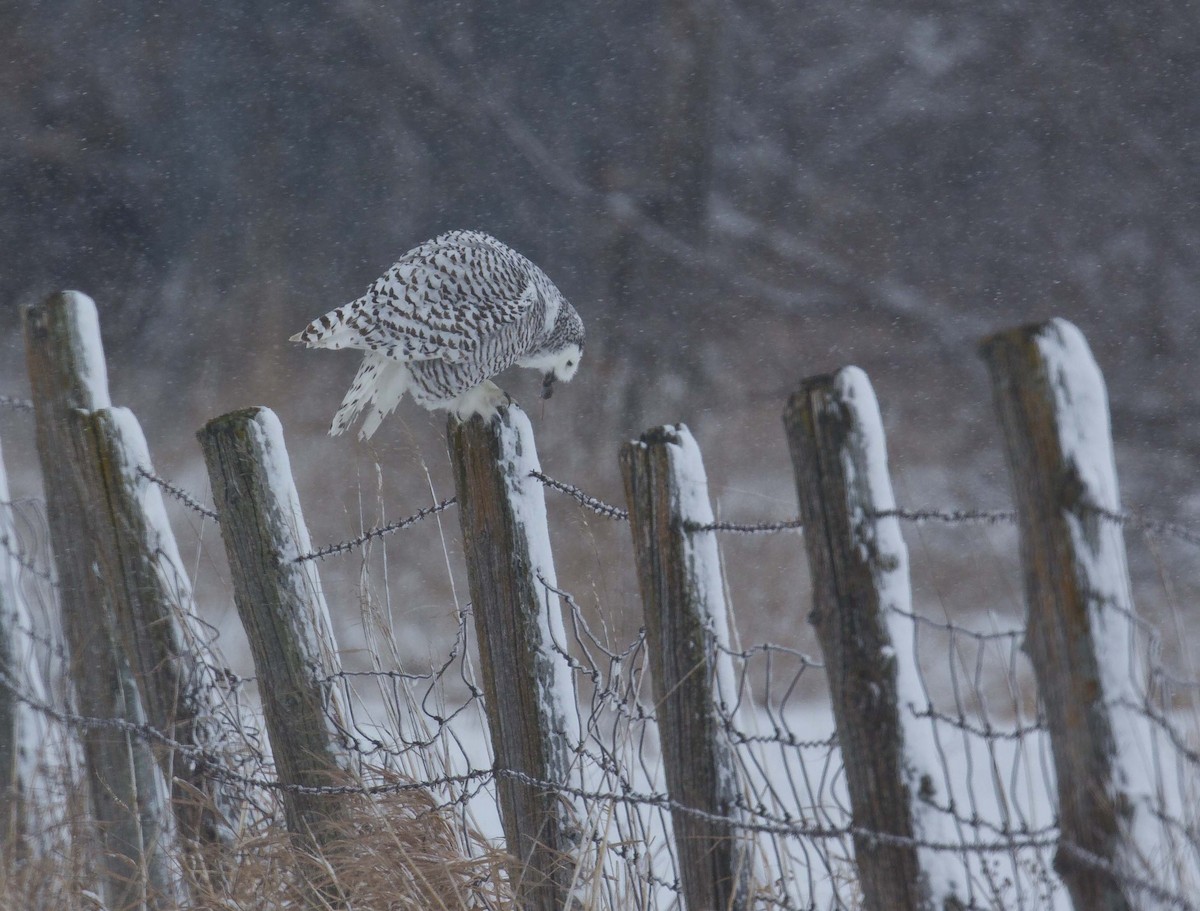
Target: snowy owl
(451, 314)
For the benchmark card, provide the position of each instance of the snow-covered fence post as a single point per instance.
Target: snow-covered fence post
(861, 591)
(283, 611)
(683, 599)
(528, 688)
(155, 620)
(129, 796)
(1053, 409)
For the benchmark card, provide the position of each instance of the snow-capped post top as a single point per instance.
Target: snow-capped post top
(683, 598)
(129, 798)
(65, 330)
(1081, 629)
(528, 689)
(862, 606)
(282, 608)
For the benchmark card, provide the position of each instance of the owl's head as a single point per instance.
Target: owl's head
(564, 349)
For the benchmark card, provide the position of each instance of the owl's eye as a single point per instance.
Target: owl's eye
(570, 363)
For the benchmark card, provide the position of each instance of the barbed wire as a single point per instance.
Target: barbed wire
(600, 507)
(362, 539)
(1146, 524)
(1125, 877)
(25, 561)
(1007, 840)
(15, 403)
(211, 766)
(610, 702)
(329, 550)
(595, 505)
(983, 731)
(950, 517)
(755, 817)
(179, 494)
(742, 528)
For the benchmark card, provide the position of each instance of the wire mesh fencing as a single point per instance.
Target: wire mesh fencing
(424, 729)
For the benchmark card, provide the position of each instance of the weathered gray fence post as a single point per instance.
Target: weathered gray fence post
(1053, 409)
(25, 770)
(861, 590)
(155, 618)
(283, 611)
(128, 794)
(683, 600)
(528, 689)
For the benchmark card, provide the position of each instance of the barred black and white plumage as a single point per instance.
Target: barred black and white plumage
(449, 315)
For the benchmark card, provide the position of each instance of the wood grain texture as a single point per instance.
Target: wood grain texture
(282, 610)
(1049, 492)
(127, 792)
(824, 437)
(697, 757)
(20, 726)
(523, 677)
(152, 599)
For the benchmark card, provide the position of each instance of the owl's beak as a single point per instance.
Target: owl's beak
(548, 385)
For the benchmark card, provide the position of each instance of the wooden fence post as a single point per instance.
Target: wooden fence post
(24, 733)
(1053, 409)
(683, 598)
(283, 611)
(528, 688)
(129, 797)
(859, 567)
(155, 619)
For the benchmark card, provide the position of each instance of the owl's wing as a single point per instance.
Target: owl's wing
(425, 311)
(445, 310)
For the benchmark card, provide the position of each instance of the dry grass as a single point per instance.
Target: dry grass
(392, 853)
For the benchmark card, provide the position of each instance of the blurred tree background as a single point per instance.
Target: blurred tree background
(734, 195)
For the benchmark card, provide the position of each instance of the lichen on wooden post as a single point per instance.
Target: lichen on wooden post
(528, 689)
(1081, 625)
(861, 594)
(683, 600)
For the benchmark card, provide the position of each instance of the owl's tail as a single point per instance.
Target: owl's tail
(333, 330)
(379, 383)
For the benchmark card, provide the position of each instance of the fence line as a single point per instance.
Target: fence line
(1043, 838)
(1161, 527)
(1039, 839)
(618, 826)
(212, 764)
